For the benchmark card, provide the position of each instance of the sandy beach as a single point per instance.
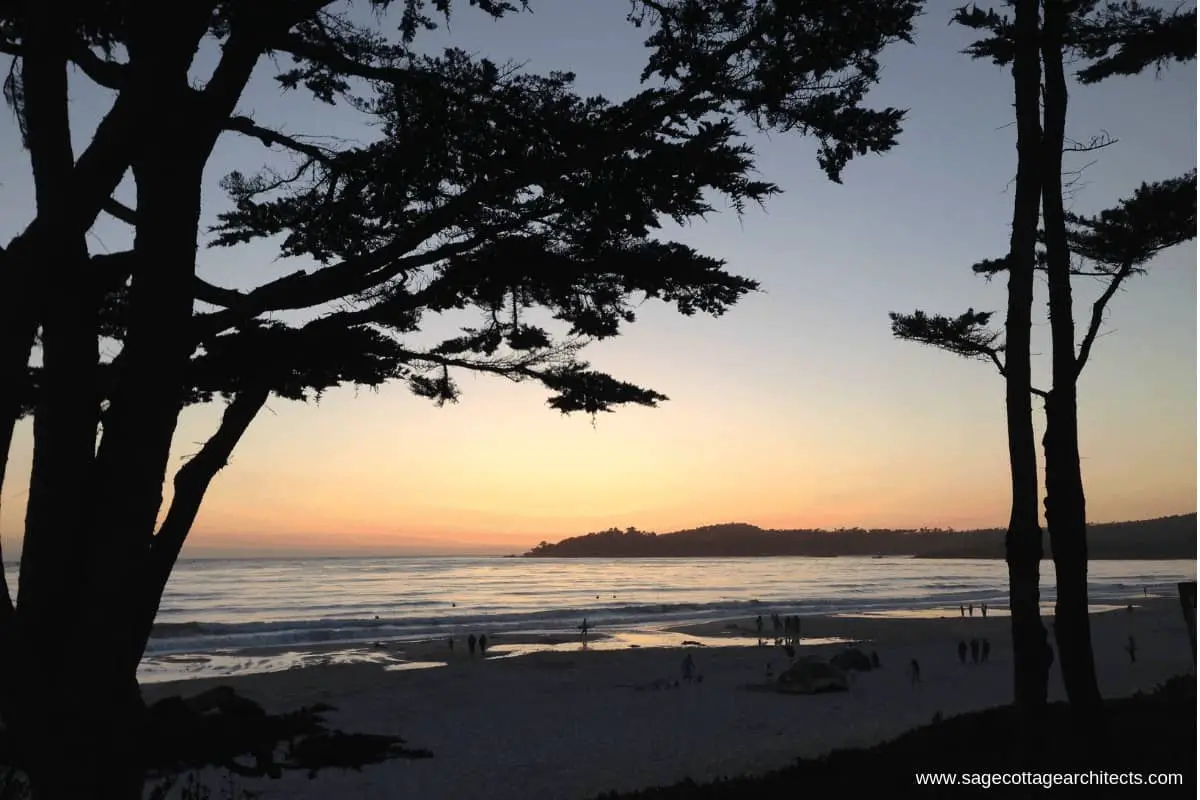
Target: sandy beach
(560, 722)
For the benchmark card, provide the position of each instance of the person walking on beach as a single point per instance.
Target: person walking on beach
(583, 627)
(914, 671)
(1131, 648)
(962, 610)
(758, 623)
(483, 644)
(985, 650)
(970, 609)
(962, 652)
(471, 643)
(983, 609)
(689, 667)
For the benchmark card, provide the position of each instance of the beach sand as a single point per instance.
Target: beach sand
(564, 724)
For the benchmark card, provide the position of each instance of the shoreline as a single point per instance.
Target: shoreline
(402, 654)
(563, 722)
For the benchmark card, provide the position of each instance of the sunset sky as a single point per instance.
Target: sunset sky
(796, 409)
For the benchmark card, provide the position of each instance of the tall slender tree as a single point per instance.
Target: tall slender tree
(967, 336)
(1116, 39)
(487, 189)
(1086, 27)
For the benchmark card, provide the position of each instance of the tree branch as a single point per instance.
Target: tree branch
(995, 355)
(118, 210)
(1089, 338)
(101, 71)
(352, 276)
(1098, 142)
(307, 289)
(191, 482)
(296, 46)
(270, 138)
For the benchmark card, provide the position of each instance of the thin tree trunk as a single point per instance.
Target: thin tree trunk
(1066, 513)
(1023, 542)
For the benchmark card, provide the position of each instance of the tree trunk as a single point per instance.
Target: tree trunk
(1066, 513)
(71, 648)
(83, 728)
(1023, 543)
(89, 743)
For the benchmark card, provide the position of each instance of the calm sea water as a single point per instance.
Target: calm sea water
(255, 603)
(224, 617)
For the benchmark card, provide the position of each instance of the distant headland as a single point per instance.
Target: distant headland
(1163, 538)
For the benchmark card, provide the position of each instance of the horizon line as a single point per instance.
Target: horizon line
(478, 550)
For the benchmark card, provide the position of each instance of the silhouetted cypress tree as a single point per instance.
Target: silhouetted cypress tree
(1117, 39)
(487, 188)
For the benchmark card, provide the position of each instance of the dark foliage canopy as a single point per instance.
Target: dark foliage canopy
(1116, 38)
(490, 189)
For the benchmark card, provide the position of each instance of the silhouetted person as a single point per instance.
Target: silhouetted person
(985, 650)
(1145, 592)
(483, 644)
(962, 652)
(450, 641)
(974, 651)
(1131, 648)
(914, 671)
(758, 624)
(471, 643)
(970, 609)
(874, 660)
(983, 609)
(689, 667)
(790, 650)
(583, 627)
(962, 610)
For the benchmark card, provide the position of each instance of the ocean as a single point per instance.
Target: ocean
(226, 616)
(224, 606)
